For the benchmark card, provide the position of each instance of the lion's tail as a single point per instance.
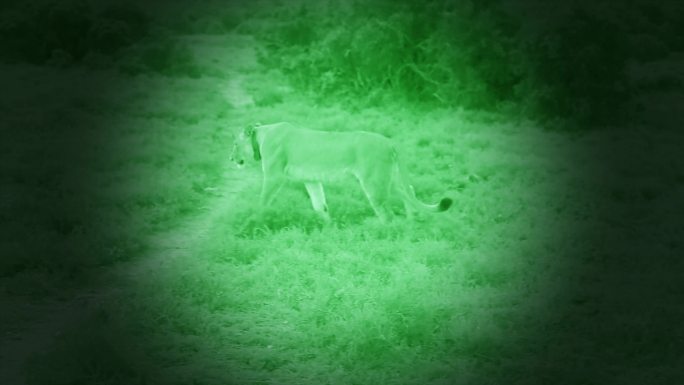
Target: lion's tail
(408, 194)
(442, 205)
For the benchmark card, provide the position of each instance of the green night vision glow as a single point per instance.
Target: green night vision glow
(425, 216)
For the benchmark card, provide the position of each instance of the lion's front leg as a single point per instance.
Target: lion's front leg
(317, 196)
(269, 190)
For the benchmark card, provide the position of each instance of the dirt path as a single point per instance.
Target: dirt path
(235, 62)
(29, 327)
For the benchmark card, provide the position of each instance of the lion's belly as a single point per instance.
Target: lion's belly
(318, 174)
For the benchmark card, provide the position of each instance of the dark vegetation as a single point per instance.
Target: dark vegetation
(568, 63)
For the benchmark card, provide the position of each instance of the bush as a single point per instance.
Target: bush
(436, 52)
(454, 54)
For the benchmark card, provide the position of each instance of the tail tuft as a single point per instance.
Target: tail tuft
(444, 204)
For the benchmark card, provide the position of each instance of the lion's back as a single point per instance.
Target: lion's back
(318, 155)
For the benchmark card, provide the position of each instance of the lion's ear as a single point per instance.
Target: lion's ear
(255, 145)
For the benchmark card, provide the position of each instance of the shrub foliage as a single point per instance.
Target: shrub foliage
(470, 54)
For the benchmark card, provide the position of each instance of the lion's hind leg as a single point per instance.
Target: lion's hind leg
(317, 196)
(376, 190)
(408, 207)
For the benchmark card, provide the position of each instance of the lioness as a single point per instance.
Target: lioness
(287, 153)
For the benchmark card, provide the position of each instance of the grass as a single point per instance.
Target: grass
(288, 300)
